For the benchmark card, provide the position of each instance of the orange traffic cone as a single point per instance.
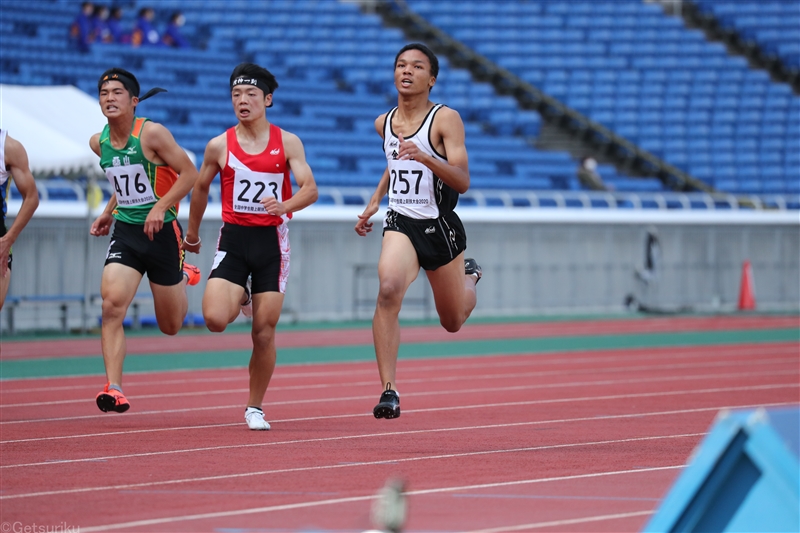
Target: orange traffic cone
(747, 292)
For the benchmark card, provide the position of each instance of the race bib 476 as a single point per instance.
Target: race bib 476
(131, 185)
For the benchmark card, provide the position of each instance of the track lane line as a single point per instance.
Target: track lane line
(549, 353)
(567, 522)
(408, 366)
(484, 377)
(317, 503)
(354, 464)
(433, 393)
(390, 433)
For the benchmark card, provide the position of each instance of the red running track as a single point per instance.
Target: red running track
(204, 342)
(580, 441)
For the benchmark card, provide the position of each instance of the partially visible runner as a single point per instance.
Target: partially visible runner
(13, 165)
(427, 168)
(150, 174)
(251, 264)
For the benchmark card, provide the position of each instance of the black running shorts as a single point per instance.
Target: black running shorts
(259, 251)
(161, 259)
(436, 240)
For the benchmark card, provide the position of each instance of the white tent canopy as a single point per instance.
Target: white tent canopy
(54, 123)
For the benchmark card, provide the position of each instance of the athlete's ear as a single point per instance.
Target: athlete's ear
(268, 100)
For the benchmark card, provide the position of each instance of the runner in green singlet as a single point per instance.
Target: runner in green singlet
(149, 174)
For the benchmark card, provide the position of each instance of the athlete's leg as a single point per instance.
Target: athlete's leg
(118, 287)
(171, 305)
(222, 302)
(453, 292)
(397, 269)
(5, 281)
(266, 312)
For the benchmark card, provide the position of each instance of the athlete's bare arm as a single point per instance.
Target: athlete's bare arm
(213, 161)
(447, 136)
(102, 224)
(16, 159)
(157, 139)
(296, 159)
(94, 144)
(364, 226)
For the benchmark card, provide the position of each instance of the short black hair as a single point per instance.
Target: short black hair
(121, 75)
(251, 70)
(434, 61)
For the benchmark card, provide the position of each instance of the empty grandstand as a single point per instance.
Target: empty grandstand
(627, 65)
(691, 115)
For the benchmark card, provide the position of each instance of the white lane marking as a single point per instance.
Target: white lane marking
(552, 357)
(487, 377)
(428, 393)
(305, 505)
(346, 465)
(558, 523)
(367, 435)
(329, 417)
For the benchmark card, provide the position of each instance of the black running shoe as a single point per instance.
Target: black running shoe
(388, 406)
(471, 267)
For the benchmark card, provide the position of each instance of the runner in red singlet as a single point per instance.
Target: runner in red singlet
(251, 264)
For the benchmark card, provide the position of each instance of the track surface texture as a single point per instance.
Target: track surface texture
(586, 439)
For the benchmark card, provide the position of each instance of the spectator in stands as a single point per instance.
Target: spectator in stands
(427, 169)
(251, 264)
(588, 175)
(13, 165)
(145, 32)
(80, 31)
(100, 30)
(118, 34)
(150, 174)
(173, 36)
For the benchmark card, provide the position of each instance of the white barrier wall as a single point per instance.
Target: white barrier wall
(535, 261)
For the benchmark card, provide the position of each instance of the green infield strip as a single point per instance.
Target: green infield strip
(84, 366)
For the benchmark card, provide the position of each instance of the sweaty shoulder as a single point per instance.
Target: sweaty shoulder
(216, 150)
(94, 143)
(153, 132)
(447, 115)
(157, 141)
(447, 123)
(14, 152)
(379, 122)
(218, 143)
(292, 144)
(288, 136)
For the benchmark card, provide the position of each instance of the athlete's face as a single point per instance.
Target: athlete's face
(249, 102)
(412, 73)
(115, 100)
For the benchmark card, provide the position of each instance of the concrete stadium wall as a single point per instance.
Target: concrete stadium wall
(529, 268)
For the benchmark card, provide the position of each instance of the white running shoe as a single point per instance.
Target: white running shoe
(255, 419)
(247, 307)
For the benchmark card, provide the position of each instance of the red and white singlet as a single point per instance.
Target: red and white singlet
(247, 178)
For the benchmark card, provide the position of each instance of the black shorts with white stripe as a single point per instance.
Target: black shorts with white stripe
(436, 240)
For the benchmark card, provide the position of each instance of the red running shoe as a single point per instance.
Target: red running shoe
(112, 400)
(192, 274)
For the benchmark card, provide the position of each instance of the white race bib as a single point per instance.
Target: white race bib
(250, 187)
(409, 183)
(131, 185)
